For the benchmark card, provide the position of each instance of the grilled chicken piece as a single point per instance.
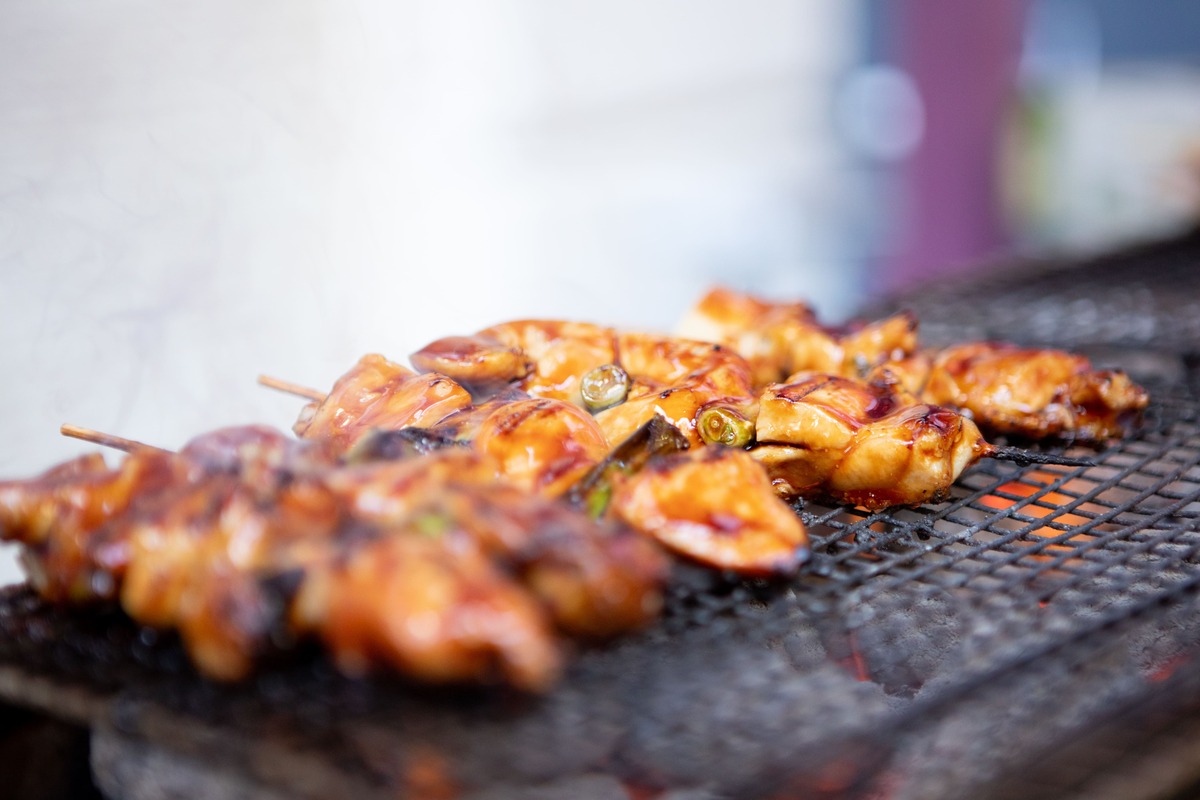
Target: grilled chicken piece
(550, 358)
(676, 379)
(759, 330)
(249, 578)
(207, 562)
(665, 375)
(594, 579)
(538, 444)
(546, 358)
(1034, 393)
(245, 545)
(57, 515)
(377, 393)
(866, 444)
(717, 506)
(442, 613)
(541, 445)
(779, 339)
(259, 454)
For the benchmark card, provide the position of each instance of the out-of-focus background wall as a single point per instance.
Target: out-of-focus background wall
(193, 193)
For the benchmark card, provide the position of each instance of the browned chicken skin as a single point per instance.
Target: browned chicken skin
(669, 376)
(379, 393)
(244, 543)
(867, 444)
(545, 358)
(1004, 388)
(1034, 393)
(435, 612)
(714, 505)
(779, 339)
(541, 445)
(414, 525)
(58, 514)
(594, 580)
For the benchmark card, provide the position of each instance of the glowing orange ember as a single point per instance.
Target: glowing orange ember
(1049, 505)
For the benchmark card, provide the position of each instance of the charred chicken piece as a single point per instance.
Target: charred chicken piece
(67, 518)
(1034, 393)
(240, 579)
(780, 339)
(259, 454)
(542, 444)
(377, 393)
(868, 444)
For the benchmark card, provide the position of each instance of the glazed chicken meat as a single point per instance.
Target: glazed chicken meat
(242, 550)
(1005, 389)
(781, 339)
(529, 486)
(866, 444)
(1034, 393)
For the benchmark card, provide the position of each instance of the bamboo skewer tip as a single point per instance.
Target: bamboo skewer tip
(105, 439)
(288, 387)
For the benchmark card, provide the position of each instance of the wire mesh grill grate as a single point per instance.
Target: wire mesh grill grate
(1012, 641)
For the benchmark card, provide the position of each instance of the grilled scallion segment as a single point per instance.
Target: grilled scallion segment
(724, 425)
(654, 438)
(604, 387)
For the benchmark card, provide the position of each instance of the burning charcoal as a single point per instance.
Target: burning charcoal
(977, 739)
(904, 642)
(729, 717)
(584, 787)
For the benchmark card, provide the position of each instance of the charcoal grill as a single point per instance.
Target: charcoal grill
(1037, 635)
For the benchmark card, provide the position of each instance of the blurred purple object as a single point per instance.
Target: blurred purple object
(963, 58)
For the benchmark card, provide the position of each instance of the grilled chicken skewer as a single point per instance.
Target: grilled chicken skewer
(541, 444)
(870, 444)
(1006, 389)
(646, 375)
(247, 538)
(780, 339)
(548, 445)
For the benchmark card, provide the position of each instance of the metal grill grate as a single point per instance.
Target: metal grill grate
(1145, 296)
(1014, 641)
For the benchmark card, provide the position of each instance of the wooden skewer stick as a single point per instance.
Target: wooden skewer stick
(1027, 457)
(106, 439)
(290, 388)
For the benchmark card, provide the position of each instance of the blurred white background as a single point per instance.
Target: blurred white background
(194, 193)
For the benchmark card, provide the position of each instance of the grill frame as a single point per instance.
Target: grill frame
(917, 634)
